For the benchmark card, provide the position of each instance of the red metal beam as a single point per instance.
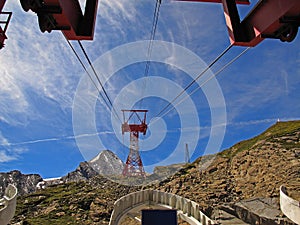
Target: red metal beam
(82, 25)
(2, 2)
(68, 19)
(129, 126)
(2, 34)
(270, 19)
(2, 38)
(65, 15)
(142, 128)
(134, 110)
(3, 23)
(278, 19)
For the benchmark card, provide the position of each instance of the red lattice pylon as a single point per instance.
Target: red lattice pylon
(134, 165)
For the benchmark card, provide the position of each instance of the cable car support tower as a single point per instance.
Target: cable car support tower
(134, 165)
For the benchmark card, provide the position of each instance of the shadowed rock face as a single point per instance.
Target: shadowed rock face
(83, 172)
(24, 183)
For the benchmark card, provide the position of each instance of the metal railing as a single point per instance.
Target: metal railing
(187, 210)
(289, 206)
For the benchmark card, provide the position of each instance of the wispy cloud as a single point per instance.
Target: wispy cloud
(5, 143)
(6, 158)
(116, 11)
(3, 140)
(45, 68)
(7, 153)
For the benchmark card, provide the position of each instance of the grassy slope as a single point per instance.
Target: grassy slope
(277, 130)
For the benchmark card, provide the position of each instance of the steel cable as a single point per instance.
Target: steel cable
(202, 84)
(87, 72)
(98, 79)
(191, 83)
(149, 50)
(108, 105)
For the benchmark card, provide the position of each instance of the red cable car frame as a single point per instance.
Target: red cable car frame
(277, 19)
(65, 15)
(4, 22)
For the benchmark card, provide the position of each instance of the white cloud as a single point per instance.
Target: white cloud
(115, 11)
(11, 154)
(35, 63)
(3, 140)
(7, 152)
(6, 158)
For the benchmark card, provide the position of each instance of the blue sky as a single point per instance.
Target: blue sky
(40, 77)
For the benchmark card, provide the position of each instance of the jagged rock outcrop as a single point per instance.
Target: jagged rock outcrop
(24, 183)
(83, 172)
(105, 163)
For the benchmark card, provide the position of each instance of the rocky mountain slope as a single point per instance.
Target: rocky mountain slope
(82, 202)
(24, 183)
(250, 169)
(106, 163)
(246, 175)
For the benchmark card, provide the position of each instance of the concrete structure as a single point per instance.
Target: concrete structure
(8, 204)
(131, 204)
(289, 206)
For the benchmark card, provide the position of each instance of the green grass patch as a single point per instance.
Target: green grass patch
(279, 129)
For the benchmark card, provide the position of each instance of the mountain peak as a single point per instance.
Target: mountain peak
(103, 154)
(107, 163)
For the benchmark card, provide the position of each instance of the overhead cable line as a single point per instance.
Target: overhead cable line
(202, 84)
(87, 72)
(191, 83)
(152, 36)
(89, 75)
(98, 79)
